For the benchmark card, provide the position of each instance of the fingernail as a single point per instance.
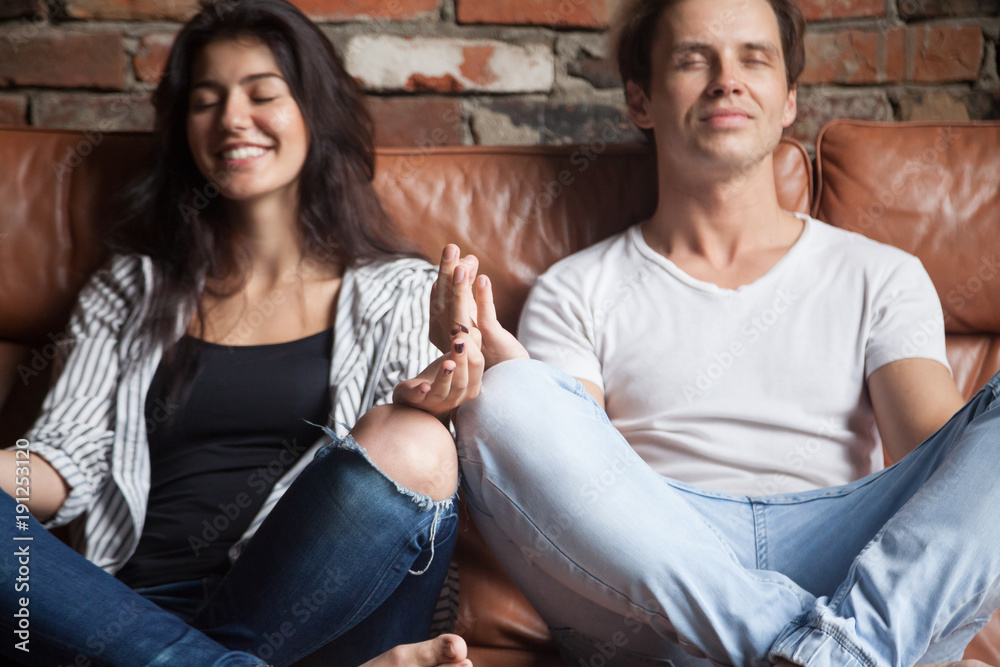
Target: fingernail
(449, 650)
(459, 275)
(450, 253)
(462, 327)
(449, 371)
(454, 332)
(460, 347)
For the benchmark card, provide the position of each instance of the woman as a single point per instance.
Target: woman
(260, 294)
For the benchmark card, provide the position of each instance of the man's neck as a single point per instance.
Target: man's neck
(727, 230)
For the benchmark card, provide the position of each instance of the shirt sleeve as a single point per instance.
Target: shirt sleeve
(907, 319)
(75, 430)
(410, 349)
(558, 327)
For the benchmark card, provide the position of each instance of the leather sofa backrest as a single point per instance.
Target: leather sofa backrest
(932, 189)
(518, 209)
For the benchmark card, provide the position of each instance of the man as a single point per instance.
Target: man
(711, 497)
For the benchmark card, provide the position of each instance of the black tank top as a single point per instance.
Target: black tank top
(215, 456)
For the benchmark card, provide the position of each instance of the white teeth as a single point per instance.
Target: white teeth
(243, 153)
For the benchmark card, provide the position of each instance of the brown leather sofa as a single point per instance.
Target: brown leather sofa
(931, 189)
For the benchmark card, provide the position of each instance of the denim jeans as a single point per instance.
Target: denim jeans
(629, 567)
(347, 564)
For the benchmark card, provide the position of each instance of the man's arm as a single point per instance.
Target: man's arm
(912, 399)
(594, 391)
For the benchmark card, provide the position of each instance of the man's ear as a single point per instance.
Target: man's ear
(791, 107)
(638, 105)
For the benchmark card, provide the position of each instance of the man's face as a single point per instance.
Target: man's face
(718, 97)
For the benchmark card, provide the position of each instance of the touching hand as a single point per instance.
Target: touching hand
(456, 376)
(498, 343)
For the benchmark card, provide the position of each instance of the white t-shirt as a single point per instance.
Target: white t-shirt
(755, 390)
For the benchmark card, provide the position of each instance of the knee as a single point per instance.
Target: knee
(511, 398)
(411, 447)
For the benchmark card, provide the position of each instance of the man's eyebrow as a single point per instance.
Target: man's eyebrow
(696, 47)
(208, 83)
(767, 47)
(689, 47)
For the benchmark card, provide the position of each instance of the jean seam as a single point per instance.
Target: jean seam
(833, 633)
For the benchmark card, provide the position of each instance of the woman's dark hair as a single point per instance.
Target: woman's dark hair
(174, 215)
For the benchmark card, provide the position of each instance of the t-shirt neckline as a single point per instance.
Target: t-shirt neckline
(647, 251)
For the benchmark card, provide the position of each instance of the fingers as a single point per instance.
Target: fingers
(443, 650)
(485, 306)
(463, 304)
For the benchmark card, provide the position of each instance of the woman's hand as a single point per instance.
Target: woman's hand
(445, 310)
(498, 344)
(455, 377)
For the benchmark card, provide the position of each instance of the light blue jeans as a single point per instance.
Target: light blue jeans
(628, 567)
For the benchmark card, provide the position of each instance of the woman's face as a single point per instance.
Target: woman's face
(245, 131)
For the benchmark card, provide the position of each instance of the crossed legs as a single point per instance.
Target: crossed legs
(602, 545)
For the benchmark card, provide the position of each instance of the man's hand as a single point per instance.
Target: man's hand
(498, 343)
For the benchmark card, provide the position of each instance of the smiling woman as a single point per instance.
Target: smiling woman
(256, 292)
(244, 123)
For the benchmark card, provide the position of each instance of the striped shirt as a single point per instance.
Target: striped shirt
(92, 427)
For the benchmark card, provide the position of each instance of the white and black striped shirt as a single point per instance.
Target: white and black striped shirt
(92, 427)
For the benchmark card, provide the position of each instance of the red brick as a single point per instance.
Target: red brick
(346, 10)
(922, 9)
(814, 10)
(12, 9)
(944, 53)
(126, 10)
(149, 61)
(848, 56)
(817, 108)
(895, 60)
(577, 13)
(62, 59)
(13, 109)
(84, 111)
(417, 121)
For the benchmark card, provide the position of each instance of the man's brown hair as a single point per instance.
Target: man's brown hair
(637, 27)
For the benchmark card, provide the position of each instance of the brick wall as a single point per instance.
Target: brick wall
(500, 71)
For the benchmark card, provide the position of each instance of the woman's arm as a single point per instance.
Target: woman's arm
(29, 479)
(71, 442)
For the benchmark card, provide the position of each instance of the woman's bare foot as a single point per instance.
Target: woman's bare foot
(443, 651)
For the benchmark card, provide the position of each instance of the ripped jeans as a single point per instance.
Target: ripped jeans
(898, 568)
(346, 566)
